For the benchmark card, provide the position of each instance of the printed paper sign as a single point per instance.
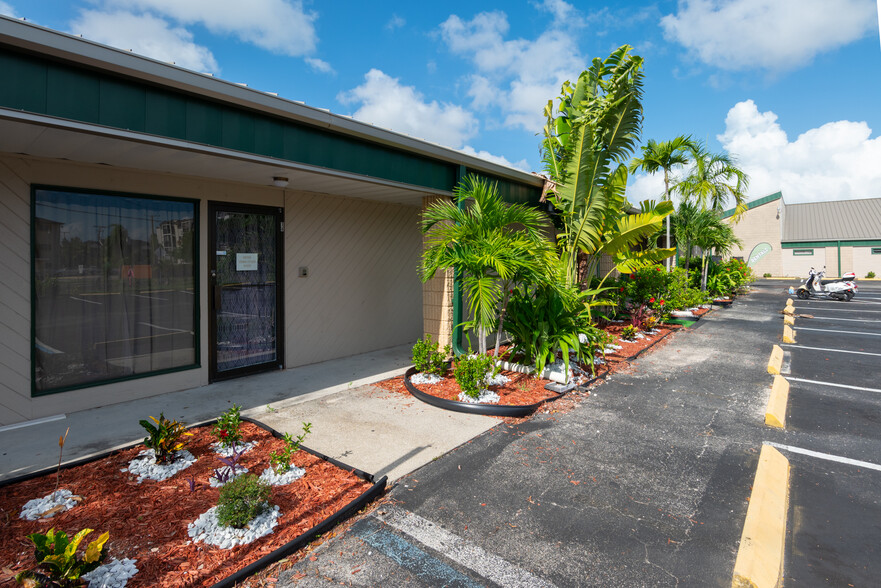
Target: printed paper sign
(246, 262)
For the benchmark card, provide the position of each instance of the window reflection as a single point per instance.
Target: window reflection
(114, 286)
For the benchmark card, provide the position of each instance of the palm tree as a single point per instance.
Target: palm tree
(689, 224)
(718, 237)
(664, 156)
(491, 243)
(713, 180)
(586, 142)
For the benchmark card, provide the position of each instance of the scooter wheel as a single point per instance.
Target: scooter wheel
(803, 294)
(848, 296)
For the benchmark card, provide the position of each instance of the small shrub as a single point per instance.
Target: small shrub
(640, 313)
(629, 332)
(766, 275)
(57, 557)
(427, 358)
(228, 428)
(241, 500)
(471, 372)
(281, 460)
(870, 275)
(164, 438)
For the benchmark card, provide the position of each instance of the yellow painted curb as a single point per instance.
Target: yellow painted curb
(776, 361)
(788, 334)
(788, 320)
(790, 310)
(789, 302)
(759, 561)
(775, 414)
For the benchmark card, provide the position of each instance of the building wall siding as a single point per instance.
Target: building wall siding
(799, 265)
(363, 292)
(760, 225)
(437, 299)
(864, 262)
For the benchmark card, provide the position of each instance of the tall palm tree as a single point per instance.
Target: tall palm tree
(664, 156)
(716, 237)
(713, 180)
(492, 243)
(588, 139)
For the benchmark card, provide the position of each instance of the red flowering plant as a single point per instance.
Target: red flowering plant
(228, 428)
(644, 284)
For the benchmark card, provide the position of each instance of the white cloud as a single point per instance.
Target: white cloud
(395, 22)
(501, 160)
(775, 35)
(386, 103)
(7, 10)
(279, 26)
(146, 35)
(319, 65)
(836, 161)
(645, 187)
(518, 76)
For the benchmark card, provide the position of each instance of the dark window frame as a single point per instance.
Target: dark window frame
(197, 343)
(802, 252)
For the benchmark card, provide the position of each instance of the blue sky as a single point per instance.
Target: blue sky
(789, 87)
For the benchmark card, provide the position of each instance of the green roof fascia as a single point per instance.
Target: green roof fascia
(70, 91)
(755, 203)
(843, 243)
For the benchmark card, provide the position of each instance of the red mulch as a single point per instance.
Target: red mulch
(524, 389)
(148, 521)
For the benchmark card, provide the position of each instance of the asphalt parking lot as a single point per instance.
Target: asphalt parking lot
(647, 481)
(833, 442)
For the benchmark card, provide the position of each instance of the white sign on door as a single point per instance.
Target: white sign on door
(246, 262)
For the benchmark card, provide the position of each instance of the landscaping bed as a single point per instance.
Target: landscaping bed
(149, 521)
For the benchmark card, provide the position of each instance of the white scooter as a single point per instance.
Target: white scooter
(843, 288)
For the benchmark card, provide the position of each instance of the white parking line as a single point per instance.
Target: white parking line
(834, 331)
(832, 350)
(827, 456)
(838, 318)
(151, 297)
(461, 551)
(151, 325)
(791, 379)
(837, 309)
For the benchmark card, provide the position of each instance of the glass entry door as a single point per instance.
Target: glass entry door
(245, 275)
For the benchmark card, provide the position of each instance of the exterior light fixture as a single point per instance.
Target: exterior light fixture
(280, 181)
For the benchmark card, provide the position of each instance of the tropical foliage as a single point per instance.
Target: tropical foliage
(588, 138)
(58, 559)
(492, 244)
(713, 181)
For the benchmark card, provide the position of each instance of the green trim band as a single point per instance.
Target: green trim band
(842, 243)
(754, 203)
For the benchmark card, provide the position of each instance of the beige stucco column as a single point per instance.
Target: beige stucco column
(437, 299)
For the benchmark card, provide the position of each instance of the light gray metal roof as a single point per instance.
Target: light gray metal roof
(833, 221)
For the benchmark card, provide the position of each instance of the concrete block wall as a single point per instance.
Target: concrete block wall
(437, 298)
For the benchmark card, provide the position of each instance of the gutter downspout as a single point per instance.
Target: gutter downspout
(457, 288)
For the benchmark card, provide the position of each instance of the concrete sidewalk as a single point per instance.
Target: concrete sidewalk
(353, 421)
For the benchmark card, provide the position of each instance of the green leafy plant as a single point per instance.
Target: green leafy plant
(228, 428)
(280, 461)
(427, 358)
(640, 314)
(544, 321)
(471, 372)
(629, 332)
(241, 500)
(870, 275)
(57, 556)
(766, 275)
(165, 437)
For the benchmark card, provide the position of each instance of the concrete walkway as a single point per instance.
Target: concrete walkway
(353, 421)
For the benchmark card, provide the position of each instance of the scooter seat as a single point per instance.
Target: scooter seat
(824, 282)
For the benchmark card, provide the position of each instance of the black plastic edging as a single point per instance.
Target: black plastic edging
(291, 546)
(498, 410)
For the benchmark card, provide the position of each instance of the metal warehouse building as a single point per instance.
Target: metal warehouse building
(788, 239)
(163, 229)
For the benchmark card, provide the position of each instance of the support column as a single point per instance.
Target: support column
(437, 299)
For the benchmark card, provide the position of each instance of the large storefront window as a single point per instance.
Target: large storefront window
(114, 284)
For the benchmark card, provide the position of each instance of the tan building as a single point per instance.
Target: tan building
(789, 239)
(163, 229)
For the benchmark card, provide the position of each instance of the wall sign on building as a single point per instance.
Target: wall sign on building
(758, 252)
